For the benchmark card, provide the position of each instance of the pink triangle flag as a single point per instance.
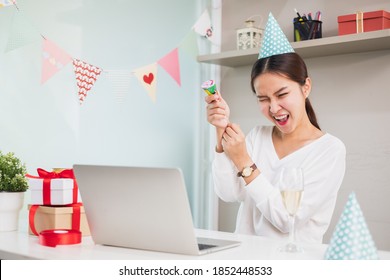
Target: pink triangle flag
(86, 76)
(54, 59)
(147, 77)
(170, 63)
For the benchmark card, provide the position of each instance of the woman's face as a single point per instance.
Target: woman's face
(282, 100)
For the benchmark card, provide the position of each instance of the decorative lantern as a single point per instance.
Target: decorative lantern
(249, 36)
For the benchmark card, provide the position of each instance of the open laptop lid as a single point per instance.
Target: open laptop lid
(137, 207)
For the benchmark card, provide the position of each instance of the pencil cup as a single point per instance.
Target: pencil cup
(307, 29)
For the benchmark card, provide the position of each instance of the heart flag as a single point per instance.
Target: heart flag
(170, 63)
(53, 60)
(147, 77)
(86, 75)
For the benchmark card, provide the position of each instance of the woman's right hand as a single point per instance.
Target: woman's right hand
(218, 111)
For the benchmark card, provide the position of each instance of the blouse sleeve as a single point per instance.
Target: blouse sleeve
(227, 185)
(323, 174)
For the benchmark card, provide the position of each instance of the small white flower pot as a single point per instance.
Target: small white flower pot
(10, 205)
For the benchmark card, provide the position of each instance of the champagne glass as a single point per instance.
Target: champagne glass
(291, 189)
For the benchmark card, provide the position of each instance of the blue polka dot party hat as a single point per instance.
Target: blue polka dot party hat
(274, 41)
(351, 239)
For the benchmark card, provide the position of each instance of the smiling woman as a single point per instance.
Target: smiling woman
(293, 141)
(247, 169)
(291, 67)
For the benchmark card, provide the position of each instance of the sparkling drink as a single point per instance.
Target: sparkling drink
(291, 190)
(292, 200)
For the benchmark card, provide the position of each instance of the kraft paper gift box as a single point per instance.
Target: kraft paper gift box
(57, 217)
(50, 188)
(363, 22)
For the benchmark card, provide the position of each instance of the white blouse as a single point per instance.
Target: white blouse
(262, 211)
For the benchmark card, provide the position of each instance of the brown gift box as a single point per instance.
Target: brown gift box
(58, 217)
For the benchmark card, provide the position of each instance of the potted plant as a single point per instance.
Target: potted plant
(13, 185)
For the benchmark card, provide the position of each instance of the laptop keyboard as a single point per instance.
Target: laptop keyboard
(205, 246)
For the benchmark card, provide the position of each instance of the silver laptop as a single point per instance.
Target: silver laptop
(142, 208)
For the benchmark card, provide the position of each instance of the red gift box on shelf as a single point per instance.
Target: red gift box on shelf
(57, 217)
(363, 22)
(53, 188)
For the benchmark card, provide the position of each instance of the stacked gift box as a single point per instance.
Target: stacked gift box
(55, 202)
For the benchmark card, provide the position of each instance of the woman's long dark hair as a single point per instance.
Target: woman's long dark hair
(289, 65)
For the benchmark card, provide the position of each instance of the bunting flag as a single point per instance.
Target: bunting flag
(190, 44)
(22, 32)
(170, 63)
(147, 77)
(120, 80)
(203, 26)
(5, 3)
(53, 60)
(86, 75)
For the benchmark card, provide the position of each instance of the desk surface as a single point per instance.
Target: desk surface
(21, 245)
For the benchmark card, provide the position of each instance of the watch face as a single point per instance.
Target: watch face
(246, 171)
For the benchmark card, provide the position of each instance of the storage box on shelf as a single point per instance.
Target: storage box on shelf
(363, 22)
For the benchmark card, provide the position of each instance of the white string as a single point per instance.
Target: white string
(254, 16)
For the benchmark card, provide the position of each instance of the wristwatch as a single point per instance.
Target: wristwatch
(247, 171)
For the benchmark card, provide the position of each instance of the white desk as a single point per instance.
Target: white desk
(21, 245)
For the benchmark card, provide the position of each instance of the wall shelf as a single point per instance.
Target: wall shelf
(337, 45)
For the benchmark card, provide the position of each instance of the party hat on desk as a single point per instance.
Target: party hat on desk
(351, 239)
(274, 41)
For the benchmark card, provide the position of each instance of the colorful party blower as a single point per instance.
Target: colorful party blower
(351, 239)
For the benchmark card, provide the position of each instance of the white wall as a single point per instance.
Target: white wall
(45, 125)
(350, 95)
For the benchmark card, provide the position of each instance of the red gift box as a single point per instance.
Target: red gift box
(363, 22)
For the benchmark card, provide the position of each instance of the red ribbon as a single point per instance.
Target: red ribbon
(47, 176)
(76, 217)
(54, 237)
(66, 173)
(31, 218)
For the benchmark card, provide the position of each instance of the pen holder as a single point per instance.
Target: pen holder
(307, 29)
